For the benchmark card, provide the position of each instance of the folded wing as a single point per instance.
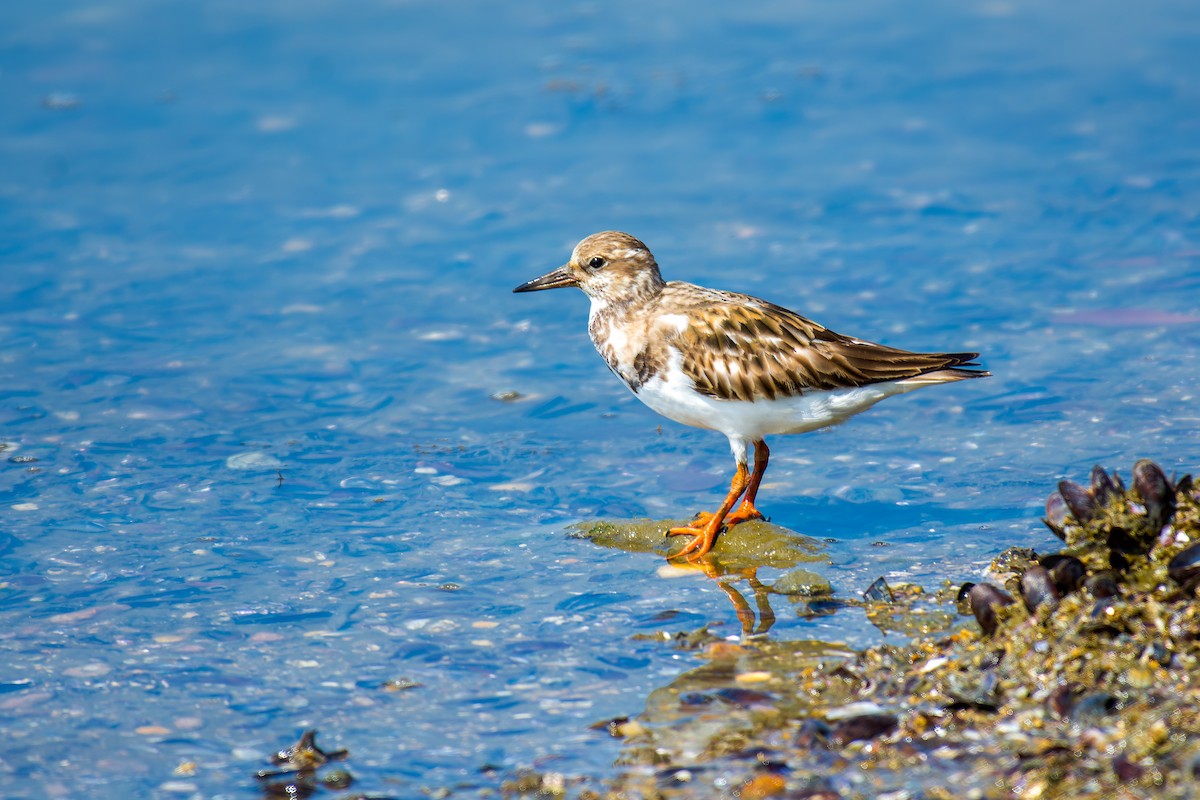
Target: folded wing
(742, 348)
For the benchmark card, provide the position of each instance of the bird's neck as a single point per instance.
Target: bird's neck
(616, 307)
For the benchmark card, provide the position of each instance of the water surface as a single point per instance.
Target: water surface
(258, 350)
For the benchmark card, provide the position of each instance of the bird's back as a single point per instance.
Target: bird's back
(738, 347)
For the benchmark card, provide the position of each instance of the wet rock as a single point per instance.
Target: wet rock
(975, 690)
(298, 766)
(1160, 653)
(763, 786)
(298, 786)
(1038, 590)
(861, 728)
(802, 583)
(619, 727)
(399, 684)
(879, 592)
(1013, 560)
(337, 779)
(986, 600)
(305, 755)
(764, 759)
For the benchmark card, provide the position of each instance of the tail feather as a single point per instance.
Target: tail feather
(956, 367)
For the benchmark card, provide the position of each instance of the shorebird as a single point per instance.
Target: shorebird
(731, 363)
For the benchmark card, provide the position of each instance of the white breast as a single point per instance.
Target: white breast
(672, 394)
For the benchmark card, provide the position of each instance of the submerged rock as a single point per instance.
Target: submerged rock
(746, 546)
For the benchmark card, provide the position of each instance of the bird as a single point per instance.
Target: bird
(731, 363)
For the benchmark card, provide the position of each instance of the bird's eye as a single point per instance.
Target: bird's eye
(596, 263)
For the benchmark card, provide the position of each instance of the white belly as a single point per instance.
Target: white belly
(674, 398)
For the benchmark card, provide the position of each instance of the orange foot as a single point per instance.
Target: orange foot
(702, 541)
(745, 512)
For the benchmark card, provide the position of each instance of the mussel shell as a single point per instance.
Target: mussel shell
(1067, 572)
(1102, 585)
(1037, 589)
(1126, 770)
(1056, 514)
(1103, 489)
(812, 733)
(1063, 698)
(862, 727)
(1094, 706)
(1185, 566)
(744, 698)
(1123, 541)
(1157, 493)
(985, 601)
(961, 600)
(1078, 501)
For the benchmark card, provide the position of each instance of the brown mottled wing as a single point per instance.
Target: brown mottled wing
(742, 348)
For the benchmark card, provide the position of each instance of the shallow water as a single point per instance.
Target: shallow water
(256, 340)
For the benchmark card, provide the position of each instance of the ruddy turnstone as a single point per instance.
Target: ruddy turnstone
(731, 363)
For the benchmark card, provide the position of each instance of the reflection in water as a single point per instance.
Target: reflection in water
(745, 614)
(735, 559)
(737, 720)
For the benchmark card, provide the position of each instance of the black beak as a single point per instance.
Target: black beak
(552, 280)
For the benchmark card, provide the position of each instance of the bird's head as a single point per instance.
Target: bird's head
(610, 267)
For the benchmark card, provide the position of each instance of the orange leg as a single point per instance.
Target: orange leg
(704, 537)
(746, 511)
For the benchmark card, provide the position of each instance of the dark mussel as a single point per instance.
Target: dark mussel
(1103, 489)
(812, 733)
(1067, 572)
(862, 727)
(1102, 585)
(1094, 706)
(1125, 542)
(1157, 493)
(1063, 698)
(1056, 515)
(1184, 568)
(962, 600)
(1037, 589)
(1127, 771)
(986, 600)
(1079, 502)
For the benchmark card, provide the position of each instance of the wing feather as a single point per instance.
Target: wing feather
(737, 347)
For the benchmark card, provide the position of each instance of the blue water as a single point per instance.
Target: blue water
(255, 262)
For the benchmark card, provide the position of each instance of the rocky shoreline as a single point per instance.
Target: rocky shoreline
(1079, 677)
